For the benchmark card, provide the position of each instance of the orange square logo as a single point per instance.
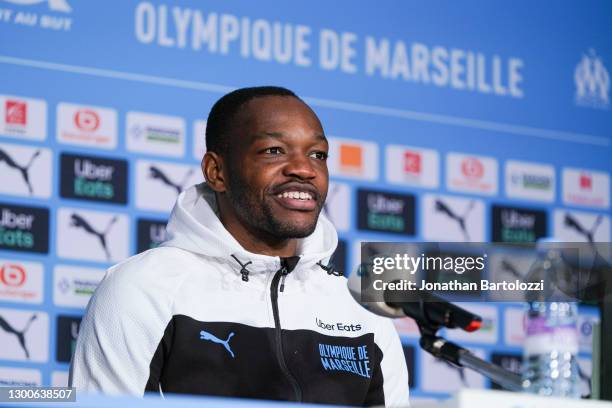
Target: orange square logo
(351, 157)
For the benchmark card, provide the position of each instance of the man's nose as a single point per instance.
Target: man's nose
(300, 166)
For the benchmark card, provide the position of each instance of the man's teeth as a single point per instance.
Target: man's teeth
(298, 195)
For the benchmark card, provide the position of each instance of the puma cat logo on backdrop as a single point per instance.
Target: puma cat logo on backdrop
(6, 326)
(23, 170)
(445, 209)
(157, 174)
(80, 222)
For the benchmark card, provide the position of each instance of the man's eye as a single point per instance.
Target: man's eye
(273, 150)
(319, 155)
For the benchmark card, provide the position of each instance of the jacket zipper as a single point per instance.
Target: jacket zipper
(274, 289)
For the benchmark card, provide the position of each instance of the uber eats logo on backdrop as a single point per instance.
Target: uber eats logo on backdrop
(151, 233)
(93, 178)
(24, 228)
(385, 212)
(512, 224)
(67, 332)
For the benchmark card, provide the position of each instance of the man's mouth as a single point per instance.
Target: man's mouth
(296, 199)
(297, 195)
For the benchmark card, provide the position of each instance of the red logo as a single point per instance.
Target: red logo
(586, 181)
(472, 168)
(16, 113)
(412, 162)
(12, 275)
(86, 119)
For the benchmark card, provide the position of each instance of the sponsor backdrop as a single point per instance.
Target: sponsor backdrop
(444, 124)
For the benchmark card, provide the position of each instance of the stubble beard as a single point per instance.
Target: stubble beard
(257, 214)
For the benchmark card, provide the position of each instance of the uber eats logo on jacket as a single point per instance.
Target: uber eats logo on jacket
(93, 178)
(24, 228)
(386, 212)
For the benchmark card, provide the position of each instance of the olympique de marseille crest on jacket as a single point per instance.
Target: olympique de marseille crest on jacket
(201, 315)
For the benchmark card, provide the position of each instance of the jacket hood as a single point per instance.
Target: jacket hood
(195, 226)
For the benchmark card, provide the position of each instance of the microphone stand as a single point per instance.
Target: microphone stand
(461, 357)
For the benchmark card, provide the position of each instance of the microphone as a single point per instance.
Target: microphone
(437, 312)
(428, 311)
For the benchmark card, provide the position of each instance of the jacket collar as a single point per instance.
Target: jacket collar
(195, 226)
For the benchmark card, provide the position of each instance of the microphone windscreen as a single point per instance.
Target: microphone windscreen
(380, 308)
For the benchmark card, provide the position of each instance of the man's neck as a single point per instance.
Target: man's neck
(258, 242)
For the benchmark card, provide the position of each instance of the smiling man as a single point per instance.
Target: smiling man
(272, 182)
(241, 301)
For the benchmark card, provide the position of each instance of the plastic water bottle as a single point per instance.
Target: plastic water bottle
(551, 345)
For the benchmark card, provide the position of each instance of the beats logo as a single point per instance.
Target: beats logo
(86, 119)
(12, 275)
(472, 168)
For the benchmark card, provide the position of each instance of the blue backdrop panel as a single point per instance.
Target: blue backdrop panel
(489, 107)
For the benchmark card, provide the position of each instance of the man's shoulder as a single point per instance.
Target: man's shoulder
(154, 265)
(151, 276)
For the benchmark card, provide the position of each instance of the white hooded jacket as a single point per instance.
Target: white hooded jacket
(201, 315)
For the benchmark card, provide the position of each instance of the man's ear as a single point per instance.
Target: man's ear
(213, 170)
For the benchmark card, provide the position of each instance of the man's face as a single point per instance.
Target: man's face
(277, 178)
